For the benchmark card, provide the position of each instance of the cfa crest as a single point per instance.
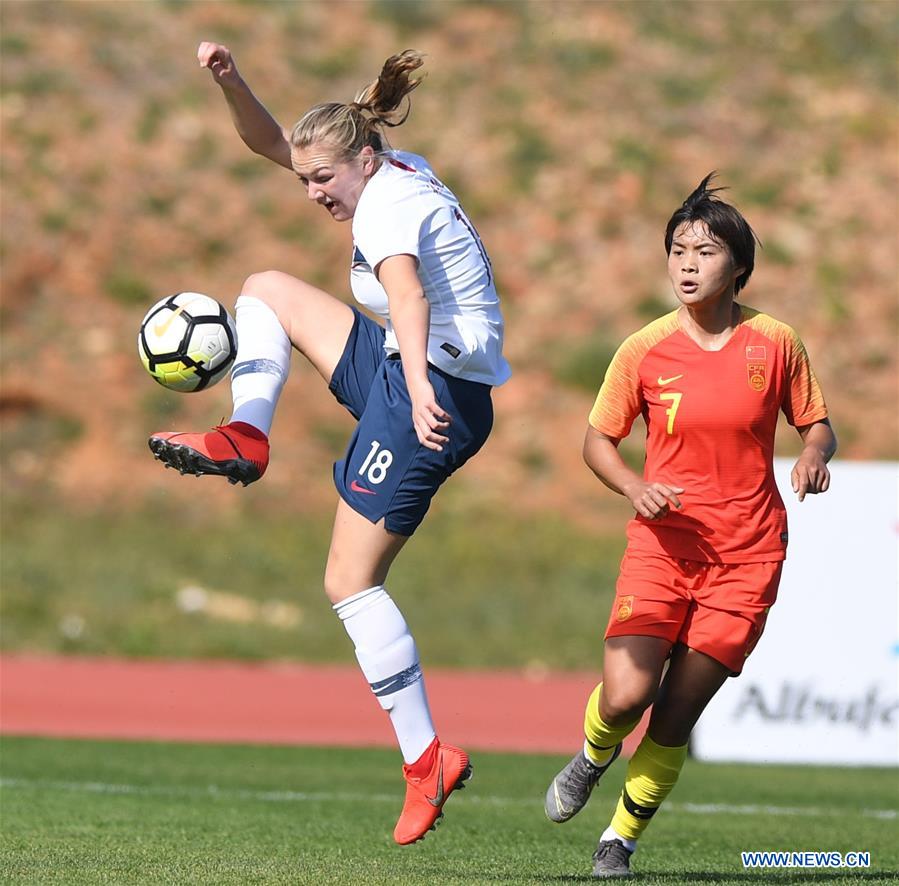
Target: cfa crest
(625, 608)
(758, 377)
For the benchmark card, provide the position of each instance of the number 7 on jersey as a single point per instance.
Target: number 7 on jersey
(671, 411)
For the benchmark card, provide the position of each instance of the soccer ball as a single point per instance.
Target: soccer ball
(187, 341)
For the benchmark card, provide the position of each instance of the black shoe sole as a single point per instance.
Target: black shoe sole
(188, 461)
(465, 775)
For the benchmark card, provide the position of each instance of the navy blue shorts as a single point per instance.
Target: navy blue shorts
(386, 473)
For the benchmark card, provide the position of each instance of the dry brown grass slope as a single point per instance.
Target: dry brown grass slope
(570, 130)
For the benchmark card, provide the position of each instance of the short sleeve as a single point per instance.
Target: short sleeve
(620, 399)
(390, 228)
(803, 401)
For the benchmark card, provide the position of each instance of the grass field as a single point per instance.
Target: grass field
(79, 812)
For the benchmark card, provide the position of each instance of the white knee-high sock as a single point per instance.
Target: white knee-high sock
(262, 363)
(389, 659)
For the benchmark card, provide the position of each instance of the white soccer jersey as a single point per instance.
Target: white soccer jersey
(406, 209)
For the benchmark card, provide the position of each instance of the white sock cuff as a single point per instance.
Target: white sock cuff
(353, 605)
(262, 342)
(250, 301)
(611, 834)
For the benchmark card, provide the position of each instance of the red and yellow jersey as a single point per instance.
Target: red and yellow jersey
(711, 418)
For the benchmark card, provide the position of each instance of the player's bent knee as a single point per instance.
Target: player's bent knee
(339, 584)
(334, 591)
(267, 286)
(617, 708)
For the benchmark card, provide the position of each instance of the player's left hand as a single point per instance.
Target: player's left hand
(810, 474)
(429, 417)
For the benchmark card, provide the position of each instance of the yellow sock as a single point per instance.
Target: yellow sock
(651, 774)
(602, 739)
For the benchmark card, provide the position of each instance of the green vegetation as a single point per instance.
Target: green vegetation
(637, 155)
(570, 131)
(481, 589)
(79, 812)
(159, 203)
(14, 44)
(576, 58)
(56, 221)
(529, 152)
(583, 364)
(407, 18)
(247, 170)
(153, 116)
(128, 288)
(654, 305)
(831, 278)
(36, 428)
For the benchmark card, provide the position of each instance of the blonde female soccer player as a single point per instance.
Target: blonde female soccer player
(706, 546)
(419, 385)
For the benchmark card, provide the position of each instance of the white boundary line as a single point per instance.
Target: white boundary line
(215, 792)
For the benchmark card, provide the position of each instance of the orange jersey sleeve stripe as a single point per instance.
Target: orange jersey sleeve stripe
(618, 402)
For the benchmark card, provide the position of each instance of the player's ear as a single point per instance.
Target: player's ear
(367, 156)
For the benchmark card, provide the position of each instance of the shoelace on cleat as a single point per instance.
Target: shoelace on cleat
(613, 850)
(584, 774)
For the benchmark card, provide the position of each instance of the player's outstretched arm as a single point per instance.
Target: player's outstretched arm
(651, 499)
(259, 130)
(810, 474)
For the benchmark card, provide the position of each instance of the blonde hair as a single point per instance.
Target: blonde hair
(348, 128)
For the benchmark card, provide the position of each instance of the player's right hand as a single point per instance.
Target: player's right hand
(218, 59)
(653, 500)
(430, 419)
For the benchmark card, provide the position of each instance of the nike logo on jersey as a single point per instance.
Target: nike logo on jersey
(357, 488)
(437, 799)
(667, 381)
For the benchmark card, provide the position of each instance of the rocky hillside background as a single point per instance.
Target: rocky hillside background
(570, 130)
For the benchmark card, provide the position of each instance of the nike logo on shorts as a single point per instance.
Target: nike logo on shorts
(357, 488)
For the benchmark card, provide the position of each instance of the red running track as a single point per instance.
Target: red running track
(282, 704)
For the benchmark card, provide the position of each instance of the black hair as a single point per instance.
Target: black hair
(725, 224)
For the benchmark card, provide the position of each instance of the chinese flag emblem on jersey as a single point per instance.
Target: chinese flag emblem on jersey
(756, 357)
(625, 608)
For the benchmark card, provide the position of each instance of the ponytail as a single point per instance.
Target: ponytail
(382, 98)
(348, 128)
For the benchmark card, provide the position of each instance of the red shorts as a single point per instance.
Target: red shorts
(718, 609)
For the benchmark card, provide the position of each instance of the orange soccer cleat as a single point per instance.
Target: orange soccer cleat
(447, 769)
(237, 451)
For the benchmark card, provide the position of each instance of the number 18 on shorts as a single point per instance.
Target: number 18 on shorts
(386, 473)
